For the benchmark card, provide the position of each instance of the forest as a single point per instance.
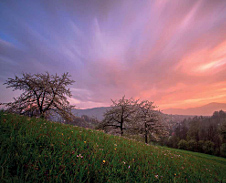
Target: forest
(200, 134)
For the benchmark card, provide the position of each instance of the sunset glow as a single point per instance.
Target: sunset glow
(169, 52)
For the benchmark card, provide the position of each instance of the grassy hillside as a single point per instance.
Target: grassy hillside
(35, 150)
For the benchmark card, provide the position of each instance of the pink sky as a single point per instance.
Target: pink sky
(169, 52)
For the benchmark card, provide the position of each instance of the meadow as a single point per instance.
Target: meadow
(36, 150)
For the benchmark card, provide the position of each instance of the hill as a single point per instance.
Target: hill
(97, 112)
(206, 110)
(35, 150)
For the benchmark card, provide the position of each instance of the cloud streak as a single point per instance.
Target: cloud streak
(170, 52)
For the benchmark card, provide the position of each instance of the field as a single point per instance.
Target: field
(35, 150)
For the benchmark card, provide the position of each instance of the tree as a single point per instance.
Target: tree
(222, 130)
(194, 127)
(147, 120)
(120, 114)
(42, 94)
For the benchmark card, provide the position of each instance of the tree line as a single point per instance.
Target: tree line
(200, 134)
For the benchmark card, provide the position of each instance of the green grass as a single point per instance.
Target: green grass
(35, 150)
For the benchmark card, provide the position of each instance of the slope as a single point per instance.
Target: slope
(35, 150)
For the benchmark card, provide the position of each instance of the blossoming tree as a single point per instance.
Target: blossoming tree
(42, 94)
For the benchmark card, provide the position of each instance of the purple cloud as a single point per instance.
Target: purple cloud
(164, 51)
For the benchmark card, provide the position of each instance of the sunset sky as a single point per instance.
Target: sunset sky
(172, 52)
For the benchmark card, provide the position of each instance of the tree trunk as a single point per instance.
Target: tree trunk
(42, 115)
(146, 133)
(121, 126)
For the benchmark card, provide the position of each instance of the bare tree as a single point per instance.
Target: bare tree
(42, 94)
(120, 114)
(148, 121)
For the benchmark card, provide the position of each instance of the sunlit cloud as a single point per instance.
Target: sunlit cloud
(169, 52)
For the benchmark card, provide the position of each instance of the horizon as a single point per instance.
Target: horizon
(169, 52)
(204, 110)
(158, 108)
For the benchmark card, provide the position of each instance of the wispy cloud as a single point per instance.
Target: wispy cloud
(170, 52)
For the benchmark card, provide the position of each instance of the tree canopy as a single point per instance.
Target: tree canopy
(147, 120)
(137, 117)
(41, 94)
(120, 114)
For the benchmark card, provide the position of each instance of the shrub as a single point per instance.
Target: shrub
(200, 145)
(223, 150)
(192, 145)
(208, 147)
(173, 141)
(217, 152)
(183, 144)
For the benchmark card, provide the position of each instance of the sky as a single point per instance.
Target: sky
(171, 52)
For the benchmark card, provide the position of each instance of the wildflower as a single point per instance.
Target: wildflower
(72, 131)
(79, 156)
(115, 149)
(62, 134)
(104, 161)
(124, 162)
(175, 174)
(85, 142)
(156, 176)
(129, 166)
(115, 144)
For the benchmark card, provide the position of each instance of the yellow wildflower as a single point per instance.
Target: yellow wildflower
(84, 141)
(104, 161)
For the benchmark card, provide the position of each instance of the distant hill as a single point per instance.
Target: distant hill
(206, 110)
(96, 113)
(176, 114)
